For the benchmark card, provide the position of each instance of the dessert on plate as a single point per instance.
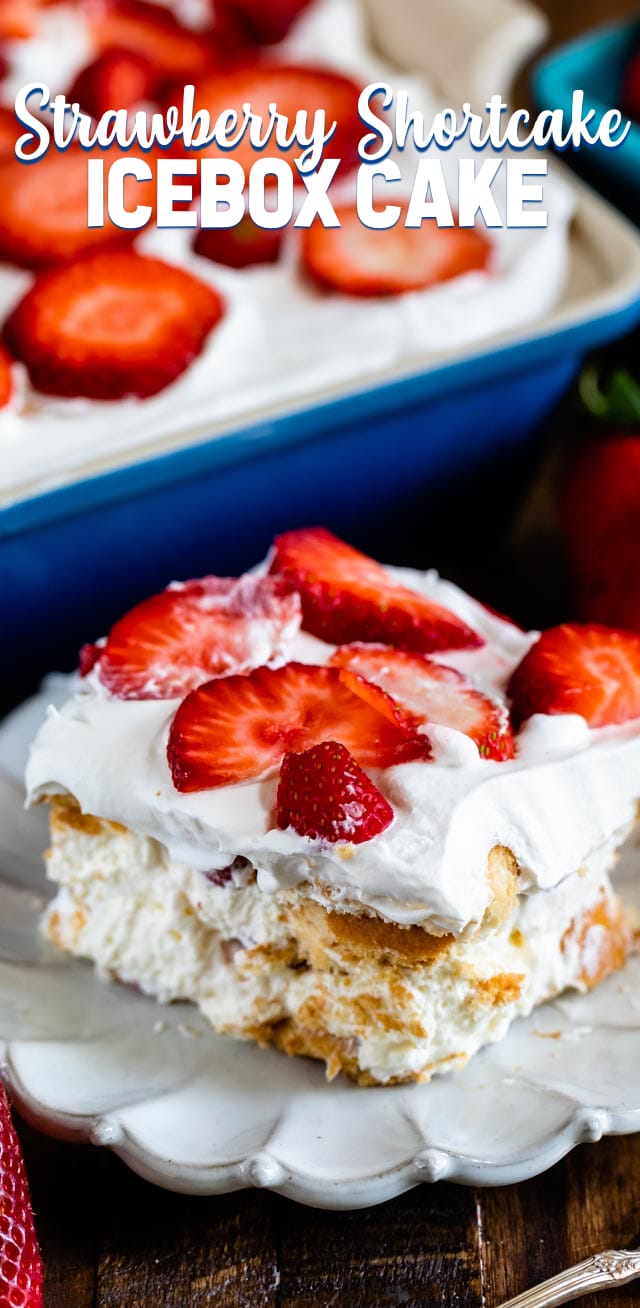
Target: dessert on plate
(345, 809)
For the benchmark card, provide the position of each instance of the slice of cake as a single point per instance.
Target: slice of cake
(345, 809)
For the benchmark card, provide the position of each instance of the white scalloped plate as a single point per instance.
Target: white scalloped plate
(200, 1114)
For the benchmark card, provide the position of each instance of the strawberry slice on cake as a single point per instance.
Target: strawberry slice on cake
(240, 727)
(242, 246)
(111, 326)
(586, 669)
(348, 597)
(434, 693)
(155, 33)
(193, 631)
(359, 260)
(117, 79)
(294, 88)
(43, 208)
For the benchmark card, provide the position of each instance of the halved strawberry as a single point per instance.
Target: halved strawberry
(268, 22)
(240, 727)
(293, 88)
(193, 631)
(241, 246)
(348, 597)
(112, 325)
(117, 79)
(586, 669)
(20, 1265)
(357, 260)
(433, 693)
(151, 30)
(324, 794)
(43, 209)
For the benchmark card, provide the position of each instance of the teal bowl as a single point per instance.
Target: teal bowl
(595, 64)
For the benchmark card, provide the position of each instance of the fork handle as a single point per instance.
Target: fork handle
(603, 1271)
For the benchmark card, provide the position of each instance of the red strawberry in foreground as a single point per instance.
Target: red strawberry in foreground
(43, 209)
(348, 597)
(173, 642)
(593, 671)
(357, 260)
(600, 522)
(293, 87)
(238, 728)
(268, 22)
(433, 693)
(117, 79)
(20, 1266)
(112, 325)
(324, 794)
(241, 246)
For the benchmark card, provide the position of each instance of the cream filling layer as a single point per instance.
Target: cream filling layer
(163, 927)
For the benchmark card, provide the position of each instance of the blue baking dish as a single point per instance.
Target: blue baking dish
(595, 63)
(422, 468)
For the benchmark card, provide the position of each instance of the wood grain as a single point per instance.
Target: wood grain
(110, 1240)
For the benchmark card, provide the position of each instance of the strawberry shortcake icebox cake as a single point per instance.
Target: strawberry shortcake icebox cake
(343, 808)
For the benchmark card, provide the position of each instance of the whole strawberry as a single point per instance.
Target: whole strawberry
(324, 794)
(600, 524)
(20, 1266)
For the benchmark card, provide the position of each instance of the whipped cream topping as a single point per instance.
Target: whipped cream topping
(283, 341)
(567, 793)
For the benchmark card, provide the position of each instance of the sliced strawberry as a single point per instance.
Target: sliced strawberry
(433, 693)
(7, 378)
(238, 728)
(112, 325)
(151, 30)
(43, 209)
(294, 88)
(348, 597)
(269, 22)
(20, 1265)
(324, 794)
(357, 260)
(193, 631)
(600, 522)
(241, 246)
(117, 79)
(9, 133)
(590, 670)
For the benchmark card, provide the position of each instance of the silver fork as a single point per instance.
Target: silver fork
(603, 1271)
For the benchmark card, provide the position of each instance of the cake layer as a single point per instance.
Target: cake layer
(379, 1001)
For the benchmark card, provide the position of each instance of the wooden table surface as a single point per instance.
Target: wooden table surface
(110, 1240)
